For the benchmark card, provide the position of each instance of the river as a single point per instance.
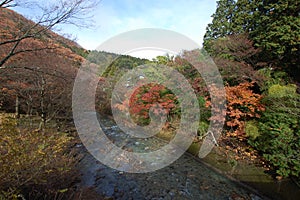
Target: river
(186, 178)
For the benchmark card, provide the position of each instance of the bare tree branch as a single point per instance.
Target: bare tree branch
(54, 13)
(7, 4)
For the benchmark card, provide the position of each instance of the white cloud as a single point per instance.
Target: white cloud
(188, 17)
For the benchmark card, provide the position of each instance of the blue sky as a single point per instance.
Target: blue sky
(112, 17)
(188, 17)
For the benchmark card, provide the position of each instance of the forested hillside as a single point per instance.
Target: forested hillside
(37, 72)
(37, 79)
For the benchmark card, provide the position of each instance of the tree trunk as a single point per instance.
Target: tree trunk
(17, 111)
(42, 104)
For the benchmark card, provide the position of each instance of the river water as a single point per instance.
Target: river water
(186, 178)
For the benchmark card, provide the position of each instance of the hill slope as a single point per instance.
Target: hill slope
(32, 38)
(38, 77)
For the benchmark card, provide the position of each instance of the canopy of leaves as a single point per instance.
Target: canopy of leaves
(273, 25)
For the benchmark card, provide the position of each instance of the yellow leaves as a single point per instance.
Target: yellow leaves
(41, 152)
(24, 153)
(248, 154)
(49, 171)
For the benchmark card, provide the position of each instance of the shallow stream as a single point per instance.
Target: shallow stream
(186, 178)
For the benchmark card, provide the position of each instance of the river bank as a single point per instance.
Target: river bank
(250, 173)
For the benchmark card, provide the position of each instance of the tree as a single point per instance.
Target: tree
(277, 32)
(146, 97)
(37, 66)
(51, 15)
(221, 25)
(7, 3)
(273, 26)
(245, 15)
(279, 130)
(236, 53)
(41, 82)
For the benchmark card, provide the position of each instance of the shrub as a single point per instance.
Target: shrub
(282, 91)
(251, 129)
(147, 97)
(33, 161)
(272, 77)
(279, 139)
(242, 105)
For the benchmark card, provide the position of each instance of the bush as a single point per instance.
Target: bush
(279, 91)
(272, 77)
(242, 105)
(251, 129)
(33, 161)
(279, 139)
(147, 97)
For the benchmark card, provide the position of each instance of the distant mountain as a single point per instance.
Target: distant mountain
(115, 64)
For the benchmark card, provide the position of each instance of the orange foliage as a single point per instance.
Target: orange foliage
(242, 105)
(150, 96)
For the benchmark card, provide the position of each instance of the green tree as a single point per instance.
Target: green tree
(245, 16)
(277, 32)
(222, 22)
(273, 25)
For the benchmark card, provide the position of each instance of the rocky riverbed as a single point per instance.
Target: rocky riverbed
(186, 178)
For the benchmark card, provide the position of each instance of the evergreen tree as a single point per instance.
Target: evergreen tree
(273, 25)
(277, 32)
(222, 22)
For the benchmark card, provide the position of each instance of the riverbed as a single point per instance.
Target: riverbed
(186, 178)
